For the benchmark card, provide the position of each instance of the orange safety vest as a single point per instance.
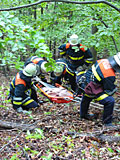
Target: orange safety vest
(106, 68)
(18, 80)
(83, 48)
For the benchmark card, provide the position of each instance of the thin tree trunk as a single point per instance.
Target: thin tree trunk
(93, 50)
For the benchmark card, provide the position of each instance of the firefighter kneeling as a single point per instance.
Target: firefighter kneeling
(22, 93)
(99, 84)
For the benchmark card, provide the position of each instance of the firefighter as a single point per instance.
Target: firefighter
(22, 93)
(41, 63)
(75, 57)
(63, 73)
(75, 53)
(98, 83)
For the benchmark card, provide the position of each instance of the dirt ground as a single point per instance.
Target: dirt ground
(58, 133)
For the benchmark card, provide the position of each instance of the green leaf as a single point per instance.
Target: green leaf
(2, 23)
(1, 34)
(110, 150)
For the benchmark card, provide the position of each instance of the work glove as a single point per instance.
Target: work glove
(20, 110)
(40, 101)
(36, 79)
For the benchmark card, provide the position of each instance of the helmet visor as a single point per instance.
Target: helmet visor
(73, 41)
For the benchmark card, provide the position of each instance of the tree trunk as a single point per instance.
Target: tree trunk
(93, 50)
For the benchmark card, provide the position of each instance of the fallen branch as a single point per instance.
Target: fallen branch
(12, 125)
(109, 139)
(11, 141)
(98, 135)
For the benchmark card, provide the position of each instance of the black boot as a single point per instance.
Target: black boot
(89, 116)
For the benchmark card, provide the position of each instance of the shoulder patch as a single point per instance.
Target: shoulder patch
(82, 48)
(18, 80)
(67, 45)
(36, 60)
(106, 68)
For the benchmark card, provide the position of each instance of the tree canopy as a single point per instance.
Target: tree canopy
(38, 27)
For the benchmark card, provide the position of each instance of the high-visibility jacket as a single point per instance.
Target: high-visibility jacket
(78, 54)
(103, 74)
(66, 68)
(20, 89)
(68, 74)
(35, 60)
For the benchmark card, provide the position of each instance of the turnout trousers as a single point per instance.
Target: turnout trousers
(102, 98)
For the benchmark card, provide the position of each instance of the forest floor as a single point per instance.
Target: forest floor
(56, 132)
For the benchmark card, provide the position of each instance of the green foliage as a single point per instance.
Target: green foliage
(48, 113)
(18, 41)
(110, 150)
(47, 157)
(62, 20)
(3, 96)
(14, 157)
(37, 135)
(23, 35)
(59, 146)
(26, 148)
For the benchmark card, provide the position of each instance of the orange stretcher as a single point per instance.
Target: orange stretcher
(57, 93)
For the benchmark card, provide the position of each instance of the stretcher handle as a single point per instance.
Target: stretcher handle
(37, 79)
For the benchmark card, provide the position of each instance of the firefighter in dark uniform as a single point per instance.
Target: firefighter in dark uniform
(62, 71)
(75, 53)
(22, 93)
(41, 63)
(98, 83)
(75, 57)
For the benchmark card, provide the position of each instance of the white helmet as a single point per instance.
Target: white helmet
(73, 39)
(58, 69)
(115, 62)
(117, 58)
(30, 70)
(43, 67)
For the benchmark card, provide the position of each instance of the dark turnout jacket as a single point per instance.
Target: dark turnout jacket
(19, 88)
(35, 60)
(103, 74)
(78, 54)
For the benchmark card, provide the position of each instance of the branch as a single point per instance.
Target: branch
(26, 6)
(98, 136)
(73, 2)
(11, 125)
(111, 36)
(11, 141)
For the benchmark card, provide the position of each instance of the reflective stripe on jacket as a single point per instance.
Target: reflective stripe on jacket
(19, 88)
(104, 66)
(105, 75)
(76, 54)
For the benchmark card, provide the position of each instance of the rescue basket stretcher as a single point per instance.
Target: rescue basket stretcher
(57, 93)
